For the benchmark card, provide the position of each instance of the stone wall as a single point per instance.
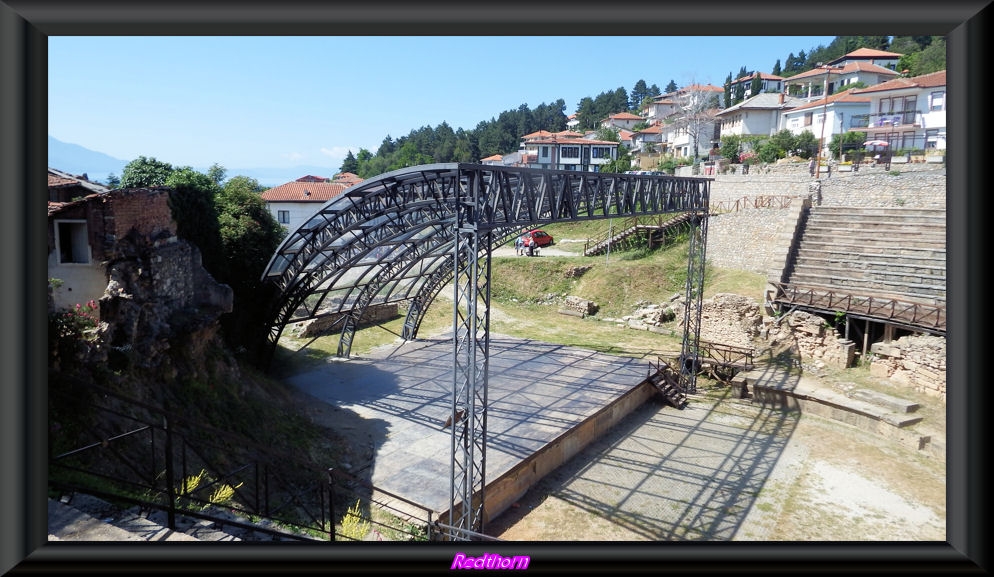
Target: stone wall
(752, 239)
(917, 362)
(329, 322)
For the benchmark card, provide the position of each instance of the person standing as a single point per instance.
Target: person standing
(811, 166)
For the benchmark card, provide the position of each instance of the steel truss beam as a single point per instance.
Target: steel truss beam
(402, 236)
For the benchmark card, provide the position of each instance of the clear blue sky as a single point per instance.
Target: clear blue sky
(255, 102)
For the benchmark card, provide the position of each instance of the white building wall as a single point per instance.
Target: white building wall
(300, 212)
(79, 282)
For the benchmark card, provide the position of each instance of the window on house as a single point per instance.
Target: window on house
(571, 152)
(601, 152)
(72, 241)
(283, 216)
(807, 118)
(931, 137)
(545, 152)
(938, 100)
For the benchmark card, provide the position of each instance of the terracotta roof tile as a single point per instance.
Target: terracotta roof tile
(924, 81)
(304, 192)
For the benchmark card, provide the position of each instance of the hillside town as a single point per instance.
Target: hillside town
(852, 110)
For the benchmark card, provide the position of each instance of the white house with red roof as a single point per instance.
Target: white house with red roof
(826, 116)
(871, 67)
(291, 204)
(624, 120)
(567, 152)
(768, 83)
(761, 114)
(880, 58)
(907, 112)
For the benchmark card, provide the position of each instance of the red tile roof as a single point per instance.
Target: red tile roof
(924, 81)
(347, 178)
(312, 178)
(871, 53)
(55, 180)
(846, 96)
(304, 192)
(625, 116)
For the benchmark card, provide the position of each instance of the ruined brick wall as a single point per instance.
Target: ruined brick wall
(142, 211)
(917, 362)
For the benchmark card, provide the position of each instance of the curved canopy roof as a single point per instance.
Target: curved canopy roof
(393, 238)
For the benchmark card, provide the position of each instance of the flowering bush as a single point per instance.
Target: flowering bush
(67, 333)
(74, 321)
(747, 157)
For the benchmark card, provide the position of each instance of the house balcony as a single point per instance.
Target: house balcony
(892, 120)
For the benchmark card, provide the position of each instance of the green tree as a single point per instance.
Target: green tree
(728, 90)
(350, 164)
(757, 84)
(145, 172)
(193, 209)
(671, 88)
(639, 93)
(113, 181)
(730, 146)
(932, 58)
(217, 173)
(776, 68)
(249, 237)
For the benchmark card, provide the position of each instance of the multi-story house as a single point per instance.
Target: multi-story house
(768, 83)
(622, 120)
(693, 97)
(864, 65)
(826, 116)
(564, 151)
(908, 113)
(762, 114)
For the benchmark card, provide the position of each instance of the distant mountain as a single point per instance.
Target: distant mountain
(75, 159)
(97, 166)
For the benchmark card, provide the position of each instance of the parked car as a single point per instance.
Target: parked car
(539, 237)
(529, 242)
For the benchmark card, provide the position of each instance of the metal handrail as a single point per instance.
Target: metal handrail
(150, 464)
(931, 317)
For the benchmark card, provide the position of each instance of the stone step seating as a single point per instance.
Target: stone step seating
(908, 215)
(861, 251)
(929, 281)
(854, 240)
(864, 408)
(891, 253)
(931, 268)
(832, 281)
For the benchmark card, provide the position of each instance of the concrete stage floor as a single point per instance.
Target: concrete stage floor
(539, 395)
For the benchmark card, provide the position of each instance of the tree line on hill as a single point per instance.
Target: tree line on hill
(502, 135)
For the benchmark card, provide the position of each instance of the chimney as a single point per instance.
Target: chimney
(781, 98)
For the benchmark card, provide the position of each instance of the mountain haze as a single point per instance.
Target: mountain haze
(97, 166)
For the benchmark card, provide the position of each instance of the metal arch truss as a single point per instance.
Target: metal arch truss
(403, 236)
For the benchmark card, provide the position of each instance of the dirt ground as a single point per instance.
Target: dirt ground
(830, 482)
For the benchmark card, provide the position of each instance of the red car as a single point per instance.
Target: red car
(539, 237)
(531, 240)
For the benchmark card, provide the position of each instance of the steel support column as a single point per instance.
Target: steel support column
(471, 346)
(690, 349)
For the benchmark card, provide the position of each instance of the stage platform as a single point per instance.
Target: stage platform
(547, 402)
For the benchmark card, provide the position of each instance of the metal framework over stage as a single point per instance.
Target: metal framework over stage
(404, 236)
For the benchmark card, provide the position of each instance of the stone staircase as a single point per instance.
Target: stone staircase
(888, 252)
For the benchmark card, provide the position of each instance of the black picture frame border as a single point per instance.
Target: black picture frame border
(24, 28)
